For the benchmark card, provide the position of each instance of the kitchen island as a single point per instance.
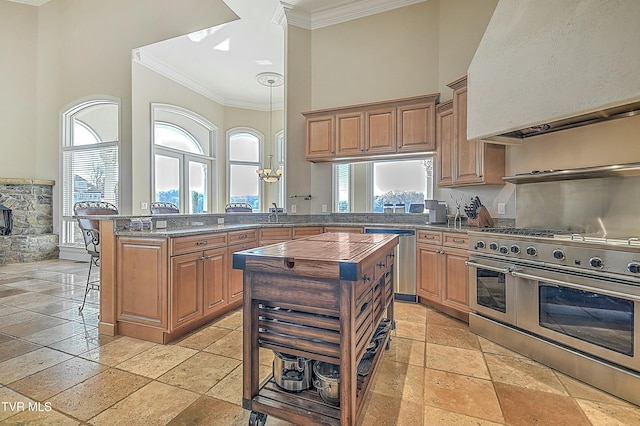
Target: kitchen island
(322, 298)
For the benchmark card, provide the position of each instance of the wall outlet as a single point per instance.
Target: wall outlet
(161, 224)
(501, 208)
(144, 205)
(294, 208)
(324, 208)
(221, 221)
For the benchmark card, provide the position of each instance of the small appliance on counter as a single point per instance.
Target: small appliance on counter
(437, 211)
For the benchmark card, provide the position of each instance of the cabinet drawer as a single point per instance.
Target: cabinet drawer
(244, 236)
(430, 237)
(452, 239)
(181, 245)
(306, 231)
(275, 233)
(343, 229)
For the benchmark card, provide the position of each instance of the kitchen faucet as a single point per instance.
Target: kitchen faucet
(275, 213)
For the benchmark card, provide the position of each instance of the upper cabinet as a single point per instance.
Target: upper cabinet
(381, 129)
(463, 161)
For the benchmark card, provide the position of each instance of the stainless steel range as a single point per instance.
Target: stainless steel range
(569, 301)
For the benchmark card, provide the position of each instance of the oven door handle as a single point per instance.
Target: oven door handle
(490, 268)
(576, 286)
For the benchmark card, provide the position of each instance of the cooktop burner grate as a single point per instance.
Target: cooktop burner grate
(531, 232)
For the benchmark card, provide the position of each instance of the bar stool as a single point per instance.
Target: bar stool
(164, 207)
(91, 234)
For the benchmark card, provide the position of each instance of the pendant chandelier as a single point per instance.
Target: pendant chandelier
(271, 79)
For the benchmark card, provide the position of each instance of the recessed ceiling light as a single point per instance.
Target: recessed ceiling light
(224, 46)
(264, 62)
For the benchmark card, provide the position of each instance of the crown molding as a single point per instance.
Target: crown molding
(340, 14)
(154, 64)
(31, 2)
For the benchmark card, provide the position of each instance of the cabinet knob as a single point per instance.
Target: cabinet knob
(202, 243)
(382, 265)
(366, 277)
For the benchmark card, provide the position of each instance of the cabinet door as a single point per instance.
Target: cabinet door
(428, 271)
(349, 134)
(468, 153)
(142, 291)
(320, 137)
(214, 280)
(186, 289)
(456, 290)
(416, 129)
(380, 131)
(234, 280)
(444, 138)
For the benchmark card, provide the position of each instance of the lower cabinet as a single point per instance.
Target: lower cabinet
(442, 275)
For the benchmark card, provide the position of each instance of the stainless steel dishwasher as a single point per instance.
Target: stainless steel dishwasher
(404, 269)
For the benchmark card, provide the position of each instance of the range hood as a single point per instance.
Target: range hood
(548, 65)
(615, 170)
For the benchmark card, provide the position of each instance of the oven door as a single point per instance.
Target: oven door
(594, 316)
(492, 290)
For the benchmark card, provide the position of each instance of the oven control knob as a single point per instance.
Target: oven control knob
(634, 267)
(504, 249)
(493, 246)
(515, 249)
(480, 245)
(532, 251)
(558, 254)
(596, 262)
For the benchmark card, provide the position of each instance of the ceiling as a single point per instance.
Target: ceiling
(255, 45)
(223, 62)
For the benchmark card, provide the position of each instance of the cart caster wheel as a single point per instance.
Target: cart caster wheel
(257, 419)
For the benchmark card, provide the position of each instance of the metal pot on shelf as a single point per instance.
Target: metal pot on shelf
(292, 373)
(327, 381)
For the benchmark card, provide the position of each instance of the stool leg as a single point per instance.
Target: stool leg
(87, 288)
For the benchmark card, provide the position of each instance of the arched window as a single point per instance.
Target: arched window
(244, 151)
(90, 159)
(183, 144)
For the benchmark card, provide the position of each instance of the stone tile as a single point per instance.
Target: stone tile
(142, 407)
(200, 372)
(412, 312)
(408, 351)
(17, 317)
(203, 338)
(17, 401)
(34, 325)
(156, 361)
(525, 406)
(29, 300)
(600, 413)
(457, 360)
(41, 414)
(438, 318)
(230, 388)
(384, 410)
(580, 390)
(396, 379)
(411, 330)
(55, 307)
(462, 394)
(118, 351)
(523, 372)
(5, 338)
(231, 321)
(205, 408)
(229, 345)
(24, 365)
(58, 333)
(8, 291)
(34, 285)
(85, 400)
(438, 417)
(452, 336)
(83, 342)
(16, 347)
(493, 348)
(46, 383)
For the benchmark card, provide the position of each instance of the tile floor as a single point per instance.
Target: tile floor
(56, 369)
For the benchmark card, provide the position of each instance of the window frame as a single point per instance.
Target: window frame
(236, 131)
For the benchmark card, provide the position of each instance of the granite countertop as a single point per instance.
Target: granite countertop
(195, 230)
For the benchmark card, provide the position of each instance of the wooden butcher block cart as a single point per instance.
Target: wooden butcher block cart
(325, 301)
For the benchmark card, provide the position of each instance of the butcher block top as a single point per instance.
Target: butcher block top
(331, 255)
